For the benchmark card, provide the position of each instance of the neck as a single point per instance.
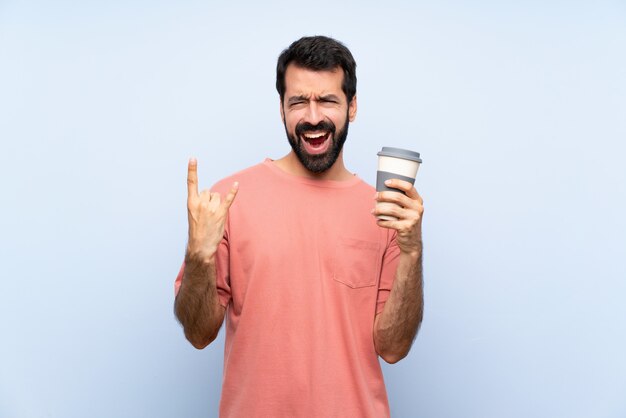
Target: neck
(292, 165)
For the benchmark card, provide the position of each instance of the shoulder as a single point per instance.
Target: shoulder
(363, 188)
(254, 174)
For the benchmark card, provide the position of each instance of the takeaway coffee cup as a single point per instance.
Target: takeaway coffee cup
(395, 163)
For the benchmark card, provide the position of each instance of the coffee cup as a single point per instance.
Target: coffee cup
(395, 163)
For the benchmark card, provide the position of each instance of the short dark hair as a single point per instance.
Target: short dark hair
(318, 53)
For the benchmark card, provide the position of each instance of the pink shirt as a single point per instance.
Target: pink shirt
(303, 269)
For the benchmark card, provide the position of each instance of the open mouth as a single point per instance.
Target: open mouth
(316, 142)
(317, 138)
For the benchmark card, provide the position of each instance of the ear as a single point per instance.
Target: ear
(352, 109)
(282, 111)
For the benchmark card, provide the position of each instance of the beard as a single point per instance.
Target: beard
(322, 162)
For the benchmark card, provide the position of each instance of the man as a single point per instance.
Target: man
(313, 287)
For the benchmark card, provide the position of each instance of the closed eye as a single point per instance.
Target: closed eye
(330, 99)
(297, 101)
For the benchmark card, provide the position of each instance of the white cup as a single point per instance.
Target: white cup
(395, 163)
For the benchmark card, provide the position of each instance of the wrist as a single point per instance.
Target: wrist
(414, 252)
(199, 257)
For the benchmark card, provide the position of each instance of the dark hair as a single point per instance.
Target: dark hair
(318, 53)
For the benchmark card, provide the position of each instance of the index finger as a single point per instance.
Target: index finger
(404, 186)
(192, 178)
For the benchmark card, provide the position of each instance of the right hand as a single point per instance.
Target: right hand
(206, 215)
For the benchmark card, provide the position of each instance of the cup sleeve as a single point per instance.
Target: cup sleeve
(388, 272)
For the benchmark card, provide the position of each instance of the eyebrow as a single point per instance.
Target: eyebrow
(329, 97)
(303, 98)
(300, 98)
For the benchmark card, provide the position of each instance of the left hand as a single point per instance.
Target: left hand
(408, 209)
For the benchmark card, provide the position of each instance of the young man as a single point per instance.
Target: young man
(313, 287)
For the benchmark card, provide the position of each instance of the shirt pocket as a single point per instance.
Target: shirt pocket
(356, 262)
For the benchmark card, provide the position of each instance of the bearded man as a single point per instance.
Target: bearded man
(313, 287)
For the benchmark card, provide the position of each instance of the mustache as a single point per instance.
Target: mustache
(303, 127)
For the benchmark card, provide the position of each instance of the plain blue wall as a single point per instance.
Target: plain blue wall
(518, 109)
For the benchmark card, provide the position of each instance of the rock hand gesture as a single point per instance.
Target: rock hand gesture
(197, 305)
(207, 217)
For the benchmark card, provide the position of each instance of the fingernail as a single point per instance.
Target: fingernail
(387, 182)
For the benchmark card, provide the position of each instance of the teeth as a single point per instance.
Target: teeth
(314, 136)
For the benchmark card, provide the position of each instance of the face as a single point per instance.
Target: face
(316, 115)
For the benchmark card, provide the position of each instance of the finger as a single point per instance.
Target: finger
(401, 200)
(403, 185)
(395, 224)
(418, 197)
(230, 197)
(214, 202)
(205, 199)
(387, 223)
(192, 178)
(399, 184)
(389, 210)
(394, 197)
(406, 187)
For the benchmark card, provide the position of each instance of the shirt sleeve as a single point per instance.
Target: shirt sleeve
(179, 279)
(388, 272)
(223, 272)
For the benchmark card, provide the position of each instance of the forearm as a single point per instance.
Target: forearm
(197, 305)
(396, 326)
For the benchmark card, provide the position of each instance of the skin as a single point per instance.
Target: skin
(197, 306)
(396, 326)
(310, 96)
(313, 96)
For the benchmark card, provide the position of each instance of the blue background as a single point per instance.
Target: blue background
(518, 109)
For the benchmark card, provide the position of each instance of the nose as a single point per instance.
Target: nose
(313, 114)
